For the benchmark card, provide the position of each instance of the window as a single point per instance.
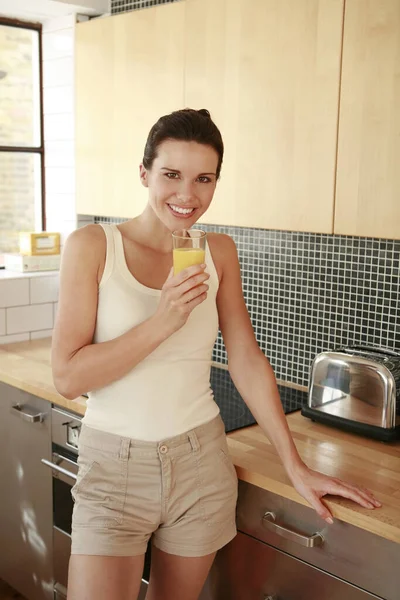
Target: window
(21, 133)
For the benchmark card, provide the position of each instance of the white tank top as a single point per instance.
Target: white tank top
(169, 391)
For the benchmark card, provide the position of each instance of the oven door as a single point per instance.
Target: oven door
(65, 471)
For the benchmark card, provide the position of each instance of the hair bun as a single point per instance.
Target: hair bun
(204, 112)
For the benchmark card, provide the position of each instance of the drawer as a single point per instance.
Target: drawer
(350, 553)
(247, 569)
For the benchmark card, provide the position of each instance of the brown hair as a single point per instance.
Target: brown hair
(187, 125)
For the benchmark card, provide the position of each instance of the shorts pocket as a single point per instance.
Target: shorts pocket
(218, 487)
(83, 474)
(100, 490)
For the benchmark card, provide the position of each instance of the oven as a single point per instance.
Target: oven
(65, 435)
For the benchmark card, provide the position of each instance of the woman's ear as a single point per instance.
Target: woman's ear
(143, 176)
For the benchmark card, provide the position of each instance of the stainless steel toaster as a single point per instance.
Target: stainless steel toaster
(357, 389)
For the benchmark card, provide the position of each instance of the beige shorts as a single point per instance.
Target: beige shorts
(182, 492)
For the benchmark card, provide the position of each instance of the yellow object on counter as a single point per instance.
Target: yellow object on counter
(186, 257)
(39, 244)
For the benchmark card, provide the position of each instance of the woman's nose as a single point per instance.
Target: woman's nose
(185, 193)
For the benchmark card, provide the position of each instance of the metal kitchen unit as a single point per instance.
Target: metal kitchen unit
(284, 551)
(26, 551)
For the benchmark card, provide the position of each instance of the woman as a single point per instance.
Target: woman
(153, 454)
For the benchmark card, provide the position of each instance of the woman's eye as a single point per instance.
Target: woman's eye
(172, 175)
(204, 179)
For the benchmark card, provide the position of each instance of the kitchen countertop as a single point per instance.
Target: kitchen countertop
(369, 463)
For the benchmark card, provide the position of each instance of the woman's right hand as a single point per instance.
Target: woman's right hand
(180, 295)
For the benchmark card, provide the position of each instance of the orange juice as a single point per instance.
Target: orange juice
(186, 257)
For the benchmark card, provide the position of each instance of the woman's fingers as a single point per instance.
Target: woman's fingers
(363, 492)
(320, 508)
(192, 294)
(339, 488)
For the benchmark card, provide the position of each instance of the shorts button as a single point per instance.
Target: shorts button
(163, 449)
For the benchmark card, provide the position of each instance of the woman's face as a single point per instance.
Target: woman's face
(181, 182)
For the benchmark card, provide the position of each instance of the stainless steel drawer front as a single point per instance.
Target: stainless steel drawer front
(366, 560)
(247, 569)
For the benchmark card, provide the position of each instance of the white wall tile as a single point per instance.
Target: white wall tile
(58, 23)
(11, 339)
(38, 335)
(58, 44)
(60, 180)
(59, 127)
(59, 71)
(59, 153)
(29, 318)
(2, 321)
(83, 220)
(14, 292)
(58, 100)
(61, 207)
(44, 289)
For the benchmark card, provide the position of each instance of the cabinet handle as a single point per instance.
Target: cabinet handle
(26, 416)
(310, 541)
(55, 467)
(60, 591)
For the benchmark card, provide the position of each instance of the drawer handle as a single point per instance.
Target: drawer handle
(309, 541)
(26, 416)
(61, 470)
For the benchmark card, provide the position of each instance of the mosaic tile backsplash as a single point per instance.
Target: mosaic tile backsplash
(120, 6)
(308, 292)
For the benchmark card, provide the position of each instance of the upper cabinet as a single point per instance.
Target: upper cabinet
(368, 174)
(129, 72)
(269, 72)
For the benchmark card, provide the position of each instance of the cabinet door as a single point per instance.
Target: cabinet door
(247, 569)
(269, 71)
(26, 513)
(129, 72)
(368, 181)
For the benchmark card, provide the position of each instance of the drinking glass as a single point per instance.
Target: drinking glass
(189, 248)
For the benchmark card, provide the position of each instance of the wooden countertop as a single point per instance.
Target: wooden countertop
(372, 464)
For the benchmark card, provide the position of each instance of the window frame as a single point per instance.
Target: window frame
(32, 149)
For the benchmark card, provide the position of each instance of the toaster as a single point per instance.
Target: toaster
(357, 389)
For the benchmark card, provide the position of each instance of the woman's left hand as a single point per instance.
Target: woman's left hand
(313, 486)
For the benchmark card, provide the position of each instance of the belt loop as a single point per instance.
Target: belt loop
(194, 441)
(124, 448)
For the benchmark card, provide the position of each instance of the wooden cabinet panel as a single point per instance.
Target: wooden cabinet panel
(129, 72)
(368, 175)
(269, 71)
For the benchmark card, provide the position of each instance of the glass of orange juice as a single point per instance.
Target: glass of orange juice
(189, 248)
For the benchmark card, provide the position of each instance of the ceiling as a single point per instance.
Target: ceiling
(41, 10)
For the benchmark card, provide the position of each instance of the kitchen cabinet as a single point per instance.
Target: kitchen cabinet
(368, 182)
(26, 516)
(297, 556)
(269, 72)
(247, 568)
(129, 72)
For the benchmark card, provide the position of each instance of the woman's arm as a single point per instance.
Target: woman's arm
(79, 365)
(254, 378)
